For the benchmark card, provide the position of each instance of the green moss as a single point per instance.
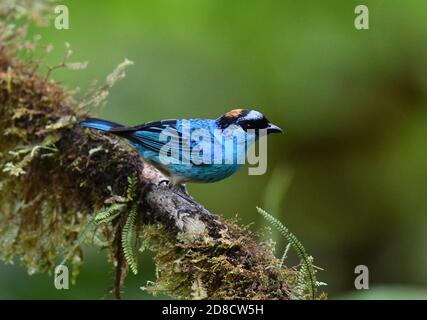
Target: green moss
(218, 268)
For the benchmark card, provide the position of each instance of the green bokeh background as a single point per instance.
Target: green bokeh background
(348, 177)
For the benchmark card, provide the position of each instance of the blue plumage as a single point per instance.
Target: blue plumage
(151, 138)
(99, 124)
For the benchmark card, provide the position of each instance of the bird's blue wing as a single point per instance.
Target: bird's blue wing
(149, 138)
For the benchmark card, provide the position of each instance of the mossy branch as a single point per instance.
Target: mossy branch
(67, 174)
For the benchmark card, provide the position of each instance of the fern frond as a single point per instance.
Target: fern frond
(131, 191)
(307, 268)
(128, 236)
(82, 237)
(102, 216)
(285, 255)
(108, 214)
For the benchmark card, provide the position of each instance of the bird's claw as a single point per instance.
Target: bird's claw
(181, 191)
(195, 206)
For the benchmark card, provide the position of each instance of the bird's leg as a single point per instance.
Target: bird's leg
(181, 190)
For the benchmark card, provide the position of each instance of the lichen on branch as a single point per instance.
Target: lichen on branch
(56, 177)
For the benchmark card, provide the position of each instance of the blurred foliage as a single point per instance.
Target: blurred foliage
(352, 103)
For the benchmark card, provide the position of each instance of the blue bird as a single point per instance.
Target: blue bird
(148, 140)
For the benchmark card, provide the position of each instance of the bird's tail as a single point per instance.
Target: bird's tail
(103, 125)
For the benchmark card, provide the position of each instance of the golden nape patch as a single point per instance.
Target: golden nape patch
(234, 113)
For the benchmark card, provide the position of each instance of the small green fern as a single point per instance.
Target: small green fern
(307, 269)
(128, 238)
(131, 191)
(285, 255)
(108, 214)
(90, 226)
(104, 215)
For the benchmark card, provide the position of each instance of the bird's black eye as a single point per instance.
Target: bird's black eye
(261, 123)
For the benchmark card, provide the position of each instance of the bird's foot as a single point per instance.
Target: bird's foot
(181, 190)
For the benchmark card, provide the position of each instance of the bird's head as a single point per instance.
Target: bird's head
(247, 119)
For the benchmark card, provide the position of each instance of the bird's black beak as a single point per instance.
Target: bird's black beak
(273, 129)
